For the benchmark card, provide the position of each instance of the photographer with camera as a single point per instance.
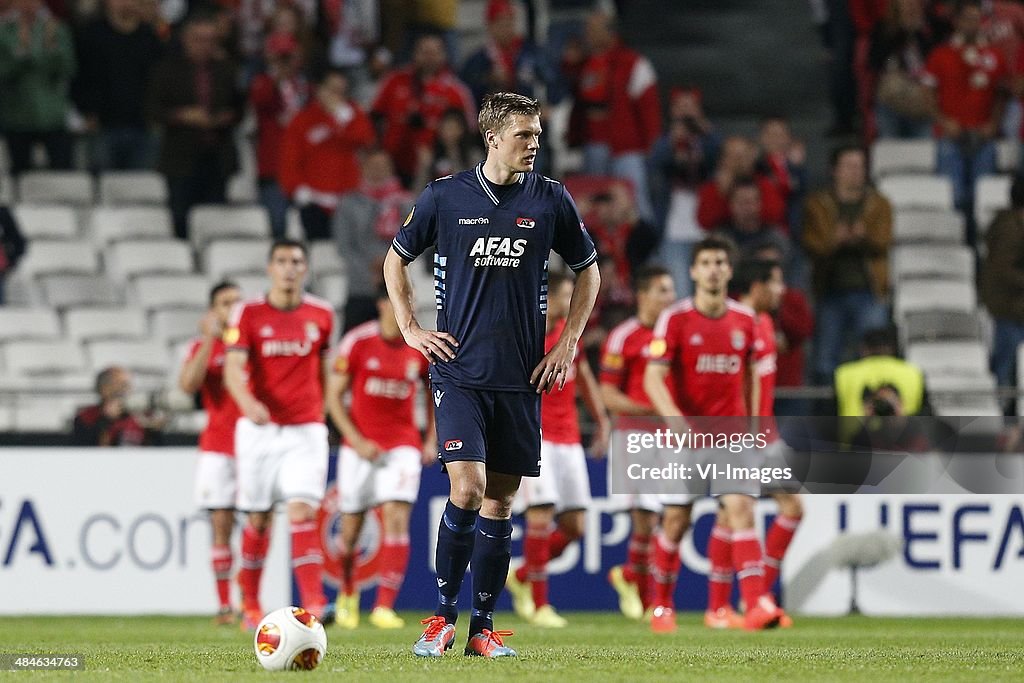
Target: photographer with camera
(880, 383)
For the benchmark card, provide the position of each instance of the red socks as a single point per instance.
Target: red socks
(638, 565)
(307, 565)
(746, 560)
(775, 544)
(665, 571)
(221, 560)
(394, 558)
(536, 553)
(254, 551)
(720, 576)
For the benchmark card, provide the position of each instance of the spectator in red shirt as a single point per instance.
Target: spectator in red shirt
(319, 155)
(506, 62)
(621, 113)
(412, 100)
(783, 162)
(968, 78)
(738, 160)
(276, 96)
(109, 423)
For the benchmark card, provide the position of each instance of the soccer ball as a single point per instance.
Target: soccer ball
(290, 638)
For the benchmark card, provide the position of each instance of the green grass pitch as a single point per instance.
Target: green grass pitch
(596, 647)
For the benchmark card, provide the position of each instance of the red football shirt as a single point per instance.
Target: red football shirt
(285, 348)
(385, 375)
(708, 357)
(559, 420)
(965, 79)
(221, 410)
(624, 359)
(765, 357)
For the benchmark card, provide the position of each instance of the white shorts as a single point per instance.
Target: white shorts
(280, 463)
(215, 481)
(394, 476)
(722, 484)
(563, 482)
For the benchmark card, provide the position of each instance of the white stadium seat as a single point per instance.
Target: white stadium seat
(333, 288)
(926, 326)
(922, 225)
(174, 325)
(324, 258)
(37, 412)
(242, 189)
(210, 222)
(71, 291)
(932, 262)
(171, 291)
(890, 156)
(953, 358)
(991, 194)
(126, 260)
(40, 221)
(61, 187)
(224, 258)
(105, 323)
(132, 187)
(918, 191)
(32, 358)
(148, 356)
(28, 323)
(59, 256)
(113, 223)
(252, 285)
(933, 295)
(1008, 155)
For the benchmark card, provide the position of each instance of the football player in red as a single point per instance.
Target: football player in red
(215, 489)
(623, 361)
(705, 346)
(277, 362)
(382, 455)
(562, 491)
(760, 285)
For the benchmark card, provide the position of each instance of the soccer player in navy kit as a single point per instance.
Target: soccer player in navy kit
(493, 228)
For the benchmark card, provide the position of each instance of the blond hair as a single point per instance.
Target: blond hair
(499, 108)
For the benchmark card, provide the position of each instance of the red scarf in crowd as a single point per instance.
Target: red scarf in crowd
(391, 198)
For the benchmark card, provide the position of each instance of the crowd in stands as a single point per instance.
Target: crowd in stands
(356, 104)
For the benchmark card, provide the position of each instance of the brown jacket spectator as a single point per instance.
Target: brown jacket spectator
(193, 97)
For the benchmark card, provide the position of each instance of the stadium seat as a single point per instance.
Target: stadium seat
(242, 189)
(61, 187)
(28, 323)
(991, 194)
(918, 191)
(927, 326)
(154, 292)
(84, 324)
(932, 262)
(35, 412)
(40, 222)
(962, 395)
(126, 260)
(172, 326)
(224, 258)
(1008, 155)
(71, 291)
(890, 156)
(213, 222)
(334, 288)
(147, 357)
(922, 225)
(34, 358)
(113, 223)
(954, 358)
(132, 187)
(59, 256)
(933, 295)
(324, 258)
(6, 190)
(252, 285)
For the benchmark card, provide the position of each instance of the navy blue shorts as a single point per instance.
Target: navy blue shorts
(498, 428)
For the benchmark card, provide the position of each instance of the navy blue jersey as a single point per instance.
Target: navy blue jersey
(490, 269)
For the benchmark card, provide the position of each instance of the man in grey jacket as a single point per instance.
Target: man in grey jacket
(363, 226)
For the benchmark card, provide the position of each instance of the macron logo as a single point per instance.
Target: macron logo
(438, 395)
(482, 220)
